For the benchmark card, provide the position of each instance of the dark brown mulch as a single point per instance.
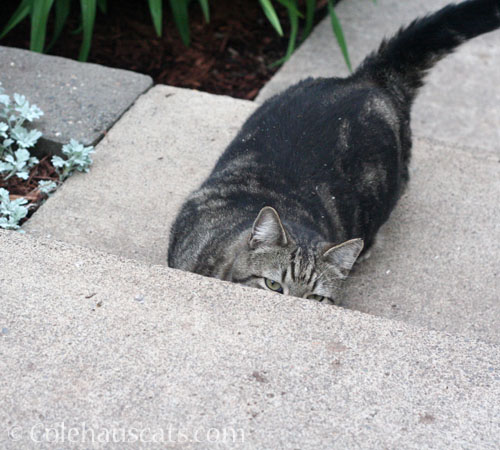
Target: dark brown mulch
(28, 189)
(231, 55)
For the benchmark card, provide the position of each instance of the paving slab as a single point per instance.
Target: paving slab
(460, 103)
(80, 100)
(114, 349)
(437, 260)
(143, 169)
(438, 265)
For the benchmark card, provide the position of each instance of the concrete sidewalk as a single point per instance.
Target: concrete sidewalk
(106, 343)
(433, 269)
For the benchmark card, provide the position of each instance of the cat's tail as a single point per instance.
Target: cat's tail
(401, 62)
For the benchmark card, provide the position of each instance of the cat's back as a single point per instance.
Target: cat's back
(316, 129)
(320, 139)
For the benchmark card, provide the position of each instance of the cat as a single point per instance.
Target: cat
(303, 188)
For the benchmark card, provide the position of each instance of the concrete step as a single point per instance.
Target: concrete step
(96, 344)
(143, 169)
(436, 267)
(460, 103)
(80, 100)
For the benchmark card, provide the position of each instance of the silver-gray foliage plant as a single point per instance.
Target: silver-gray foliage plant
(16, 160)
(15, 140)
(47, 187)
(11, 211)
(78, 158)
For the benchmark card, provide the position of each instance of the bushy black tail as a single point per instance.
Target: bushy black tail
(402, 61)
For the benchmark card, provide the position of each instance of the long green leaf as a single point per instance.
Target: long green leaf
(39, 17)
(62, 12)
(271, 15)
(310, 10)
(88, 18)
(206, 10)
(103, 6)
(77, 30)
(291, 5)
(339, 34)
(155, 8)
(20, 13)
(294, 28)
(181, 18)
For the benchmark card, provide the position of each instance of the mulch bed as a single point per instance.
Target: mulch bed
(28, 189)
(230, 55)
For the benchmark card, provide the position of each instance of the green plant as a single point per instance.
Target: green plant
(47, 187)
(11, 211)
(15, 158)
(39, 10)
(78, 158)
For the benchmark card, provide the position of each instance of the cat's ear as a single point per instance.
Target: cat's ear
(343, 256)
(267, 230)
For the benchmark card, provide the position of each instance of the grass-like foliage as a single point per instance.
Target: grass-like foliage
(16, 159)
(38, 11)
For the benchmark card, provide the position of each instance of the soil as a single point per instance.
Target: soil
(232, 54)
(28, 189)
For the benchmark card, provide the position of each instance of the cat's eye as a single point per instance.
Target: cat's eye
(274, 286)
(319, 298)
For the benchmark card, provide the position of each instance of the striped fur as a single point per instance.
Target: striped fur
(317, 169)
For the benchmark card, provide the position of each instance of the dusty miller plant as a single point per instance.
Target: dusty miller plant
(15, 139)
(78, 158)
(11, 211)
(16, 160)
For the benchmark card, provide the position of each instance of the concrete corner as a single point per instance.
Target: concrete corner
(80, 100)
(162, 148)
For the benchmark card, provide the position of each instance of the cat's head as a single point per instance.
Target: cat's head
(271, 259)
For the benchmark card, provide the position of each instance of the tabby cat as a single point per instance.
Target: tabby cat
(316, 170)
